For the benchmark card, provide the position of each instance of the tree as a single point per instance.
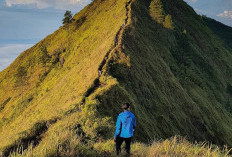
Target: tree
(44, 58)
(67, 17)
(168, 23)
(156, 11)
(21, 78)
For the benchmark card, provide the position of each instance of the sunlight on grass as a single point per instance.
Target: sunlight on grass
(68, 144)
(168, 64)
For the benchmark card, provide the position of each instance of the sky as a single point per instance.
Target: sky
(25, 22)
(220, 10)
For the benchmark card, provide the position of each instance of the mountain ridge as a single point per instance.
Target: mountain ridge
(167, 62)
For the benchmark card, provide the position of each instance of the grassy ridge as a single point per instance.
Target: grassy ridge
(223, 31)
(83, 44)
(178, 79)
(175, 71)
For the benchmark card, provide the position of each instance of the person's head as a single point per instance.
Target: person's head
(125, 106)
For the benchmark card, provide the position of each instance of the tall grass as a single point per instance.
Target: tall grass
(84, 44)
(69, 145)
(177, 81)
(178, 146)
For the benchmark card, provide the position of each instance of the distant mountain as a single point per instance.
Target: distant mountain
(172, 65)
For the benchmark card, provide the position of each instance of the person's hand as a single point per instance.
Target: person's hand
(114, 139)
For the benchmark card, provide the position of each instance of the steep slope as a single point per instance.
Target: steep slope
(223, 31)
(179, 77)
(48, 96)
(159, 55)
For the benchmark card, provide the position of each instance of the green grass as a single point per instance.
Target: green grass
(177, 81)
(64, 145)
(175, 73)
(223, 31)
(63, 87)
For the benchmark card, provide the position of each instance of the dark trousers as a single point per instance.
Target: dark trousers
(119, 141)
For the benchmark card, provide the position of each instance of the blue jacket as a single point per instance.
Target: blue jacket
(125, 125)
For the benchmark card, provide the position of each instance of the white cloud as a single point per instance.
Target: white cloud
(226, 13)
(57, 4)
(193, 1)
(8, 53)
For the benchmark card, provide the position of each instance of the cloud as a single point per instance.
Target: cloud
(193, 1)
(226, 14)
(57, 4)
(10, 52)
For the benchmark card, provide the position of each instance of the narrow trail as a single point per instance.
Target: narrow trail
(97, 83)
(35, 139)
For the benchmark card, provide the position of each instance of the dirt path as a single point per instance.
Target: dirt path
(97, 83)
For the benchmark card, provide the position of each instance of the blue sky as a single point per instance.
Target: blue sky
(220, 10)
(25, 22)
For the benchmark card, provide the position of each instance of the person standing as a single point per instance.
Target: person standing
(125, 127)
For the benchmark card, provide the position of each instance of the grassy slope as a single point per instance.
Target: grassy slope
(83, 46)
(169, 97)
(172, 96)
(223, 31)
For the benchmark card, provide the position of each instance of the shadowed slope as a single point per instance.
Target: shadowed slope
(178, 76)
(159, 55)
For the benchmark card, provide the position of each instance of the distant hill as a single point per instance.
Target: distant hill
(172, 65)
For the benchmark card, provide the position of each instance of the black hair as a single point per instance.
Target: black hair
(125, 106)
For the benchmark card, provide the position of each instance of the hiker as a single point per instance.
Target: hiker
(99, 73)
(62, 60)
(125, 127)
(123, 24)
(80, 105)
